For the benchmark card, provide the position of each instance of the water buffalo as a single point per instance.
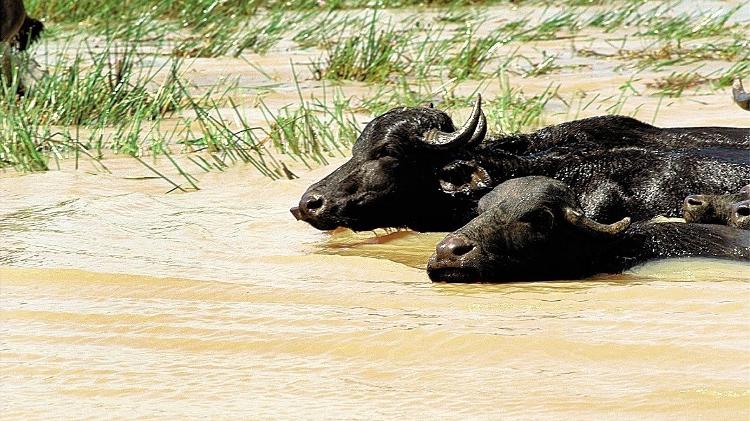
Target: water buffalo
(411, 168)
(535, 228)
(741, 97)
(17, 31)
(716, 208)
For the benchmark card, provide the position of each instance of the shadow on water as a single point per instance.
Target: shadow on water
(403, 246)
(673, 271)
(547, 286)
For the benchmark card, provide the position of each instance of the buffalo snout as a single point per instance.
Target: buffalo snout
(454, 247)
(311, 203)
(313, 209)
(454, 260)
(296, 213)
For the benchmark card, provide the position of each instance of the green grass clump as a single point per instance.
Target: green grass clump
(107, 100)
(739, 70)
(549, 28)
(548, 64)
(617, 16)
(676, 83)
(510, 111)
(688, 26)
(671, 54)
(96, 101)
(237, 34)
(104, 89)
(403, 92)
(312, 131)
(316, 129)
(372, 56)
(324, 31)
(197, 14)
(24, 146)
(472, 57)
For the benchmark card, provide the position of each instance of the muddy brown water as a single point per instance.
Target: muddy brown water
(118, 301)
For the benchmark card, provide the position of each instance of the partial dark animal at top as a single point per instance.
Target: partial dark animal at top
(739, 95)
(534, 228)
(16, 27)
(725, 209)
(410, 167)
(17, 31)
(12, 15)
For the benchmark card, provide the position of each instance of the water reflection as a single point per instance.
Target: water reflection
(406, 247)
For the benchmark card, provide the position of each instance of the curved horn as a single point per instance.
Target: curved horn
(462, 136)
(741, 97)
(580, 220)
(480, 131)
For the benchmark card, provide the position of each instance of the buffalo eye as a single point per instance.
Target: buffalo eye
(385, 151)
(540, 219)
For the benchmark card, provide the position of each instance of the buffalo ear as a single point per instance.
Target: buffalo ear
(464, 178)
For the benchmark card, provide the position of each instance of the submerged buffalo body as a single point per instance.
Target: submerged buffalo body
(726, 209)
(411, 168)
(535, 228)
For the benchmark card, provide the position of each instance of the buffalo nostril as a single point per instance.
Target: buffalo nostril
(693, 201)
(313, 203)
(463, 249)
(454, 246)
(743, 211)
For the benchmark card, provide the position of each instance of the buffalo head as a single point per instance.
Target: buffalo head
(713, 208)
(528, 228)
(404, 159)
